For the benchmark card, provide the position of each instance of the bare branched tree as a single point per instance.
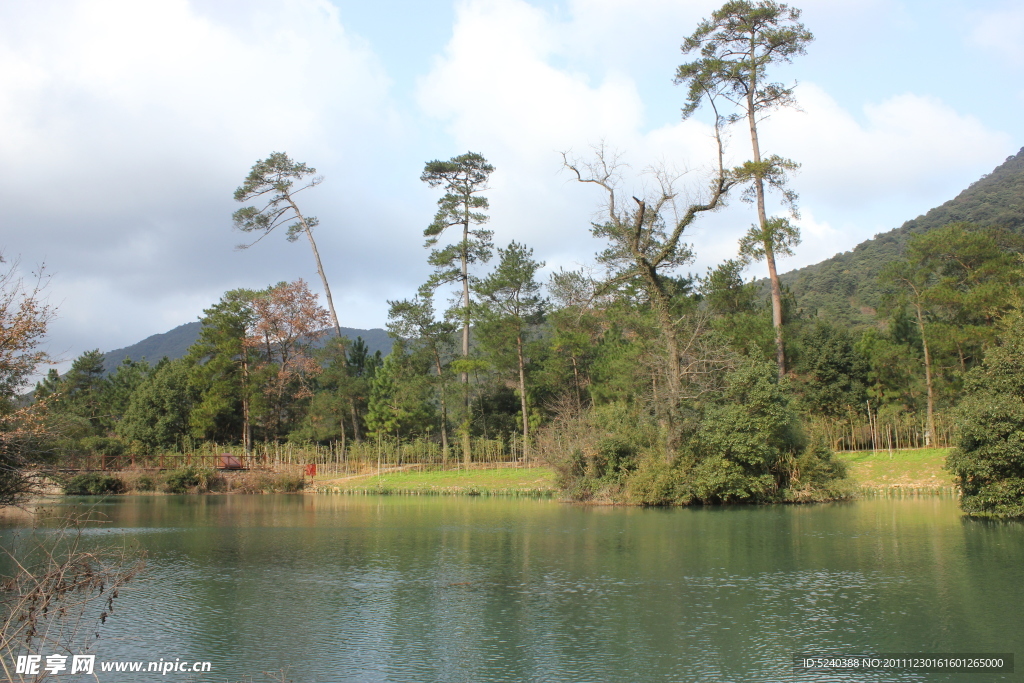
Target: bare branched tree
(58, 593)
(645, 244)
(24, 317)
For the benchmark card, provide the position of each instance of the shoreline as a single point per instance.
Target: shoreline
(874, 474)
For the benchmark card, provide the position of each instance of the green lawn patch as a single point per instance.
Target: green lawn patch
(908, 470)
(911, 471)
(506, 481)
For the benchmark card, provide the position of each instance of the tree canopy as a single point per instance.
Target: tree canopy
(273, 180)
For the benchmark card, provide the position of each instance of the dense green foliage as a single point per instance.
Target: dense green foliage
(746, 446)
(581, 378)
(187, 478)
(93, 484)
(158, 415)
(988, 461)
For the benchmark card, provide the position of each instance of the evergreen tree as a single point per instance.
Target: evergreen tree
(412, 321)
(158, 414)
(894, 378)
(361, 366)
(329, 405)
(399, 401)
(49, 385)
(724, 292)
(275, 177)
(832, 374)
(738, 314)
(575, 331)
(121, 384)
(509, 302)
(958, 283)
(463, 178)
(224, 370)
(82, 392)
(737, 45)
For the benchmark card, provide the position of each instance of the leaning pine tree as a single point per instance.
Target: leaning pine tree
(273, 180)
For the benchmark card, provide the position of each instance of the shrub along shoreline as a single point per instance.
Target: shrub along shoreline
(185, 480)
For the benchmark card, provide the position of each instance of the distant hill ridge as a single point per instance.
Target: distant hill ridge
(844, 288)
(174, 344)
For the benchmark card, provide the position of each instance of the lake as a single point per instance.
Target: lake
(362, 588)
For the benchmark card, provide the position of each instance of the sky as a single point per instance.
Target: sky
(126, 126)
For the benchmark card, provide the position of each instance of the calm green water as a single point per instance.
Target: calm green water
(342, 588)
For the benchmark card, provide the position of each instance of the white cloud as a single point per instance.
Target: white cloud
(127, 126)
(496, 83)
(1000, 32)
(907, 146)
(152, 97)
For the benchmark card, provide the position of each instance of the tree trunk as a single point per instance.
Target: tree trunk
(341, 423)
(319, 267)
(355, 423)
(674, 374)
(466, 446)
(466, 457)
(522, 397)
(246, 422)
(930, 434)
(576, 379)
(444, 410)
(762, 217)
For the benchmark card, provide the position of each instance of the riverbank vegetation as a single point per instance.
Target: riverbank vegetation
(184, 480)
(635, 379)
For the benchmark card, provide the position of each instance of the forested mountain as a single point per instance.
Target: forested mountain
(172, 344)
(175, 343)
(845, 288)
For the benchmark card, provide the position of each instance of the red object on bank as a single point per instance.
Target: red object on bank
(311, 469)
(229, 462)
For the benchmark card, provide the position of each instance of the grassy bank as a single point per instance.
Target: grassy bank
(875, 472)
(538, 482)
(914, 471)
